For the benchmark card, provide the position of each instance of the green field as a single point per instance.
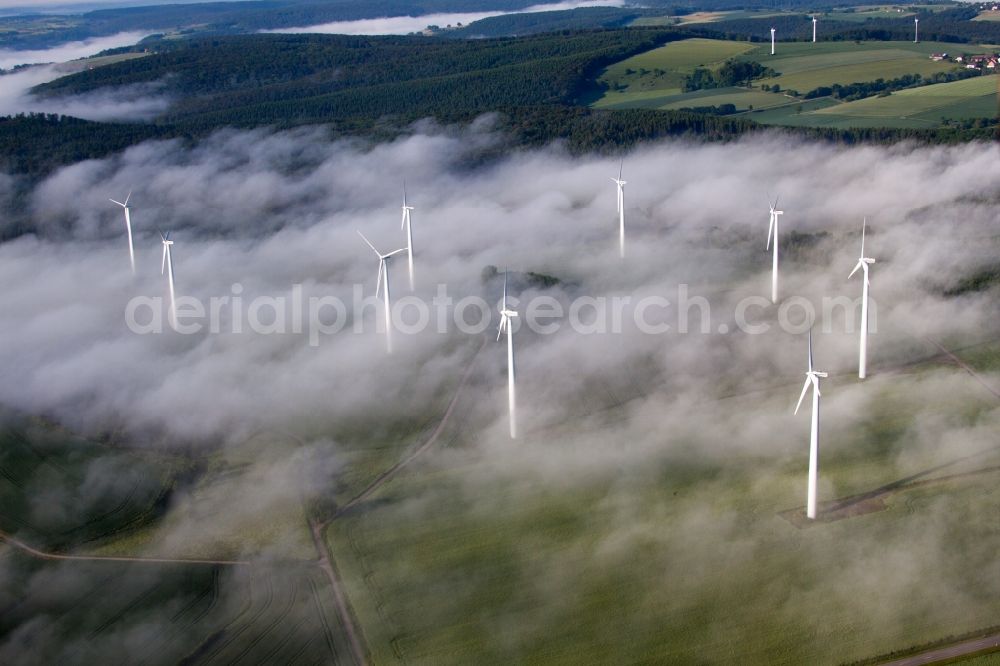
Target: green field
(41, 462)
(924, 106)
(654, 80)
(63, 493)
(988, 15)
(703, 17)
(863, 13)
(661, 71)
(168, 614)
(694, 562)
(806, 66)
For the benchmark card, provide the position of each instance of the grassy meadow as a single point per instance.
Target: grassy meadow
(686, 562)
(655, 80)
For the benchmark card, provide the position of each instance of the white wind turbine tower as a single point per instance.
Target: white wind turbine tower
(167, 264)
(506, 326)
(772, 233)
(812, 378)
(621, 210)
(814, 29)
(383, 283)
(405, 224)
(863, 263)
(128, 229)
(916, 30)
(772, 41)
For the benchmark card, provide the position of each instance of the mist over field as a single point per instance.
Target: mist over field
(271, 210)
(128, 103)
(267, 211)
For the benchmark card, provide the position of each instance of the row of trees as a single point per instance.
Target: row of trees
(950, 25)
(853, 91)
(731, 73)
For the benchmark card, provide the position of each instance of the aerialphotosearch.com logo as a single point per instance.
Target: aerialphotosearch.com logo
(321, 316)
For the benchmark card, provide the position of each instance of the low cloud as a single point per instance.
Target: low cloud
(403, 25)
(68, 51)
(136, 102)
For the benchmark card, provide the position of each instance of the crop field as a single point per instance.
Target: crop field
(61, 493)
(863, 13)
(172, 613)
(988, 15)
(662, 70)
(740, 97)
(806, 66)
(504, 570)
(702, 17)
(970, 98)
(42, 466)
(654, 80)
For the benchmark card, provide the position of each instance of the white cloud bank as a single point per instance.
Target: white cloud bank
(131, 103)
(402, 25)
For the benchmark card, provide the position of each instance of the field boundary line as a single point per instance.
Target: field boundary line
(46, 555)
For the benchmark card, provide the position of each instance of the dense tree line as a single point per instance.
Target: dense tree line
(341, 82)
(510, 25)
(853, 91)
(225, 17)
(294, 79)
(34, 144)
(731, 73)
(951, 25)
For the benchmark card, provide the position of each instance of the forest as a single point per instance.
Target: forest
(532, 83)
(949, 25)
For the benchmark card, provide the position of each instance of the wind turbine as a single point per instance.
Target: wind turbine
(383, 283)
(814, 29)
(167, 264)
(916, 30)
(505, 325)
(812, 378)
(772, 232)
(621, 210)
(772, 41)
(405, 224)
(128, 229)
(863, 263)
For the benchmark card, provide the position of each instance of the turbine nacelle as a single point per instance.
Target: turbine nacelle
(166, 251)
(120, 203)
(382, 261)
(772, 226)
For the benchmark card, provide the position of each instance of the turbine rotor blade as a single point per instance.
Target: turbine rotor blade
(163, 262)
(856, 267)
(365, 239)
(378, 282)
(805, 387)
(814, 376)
